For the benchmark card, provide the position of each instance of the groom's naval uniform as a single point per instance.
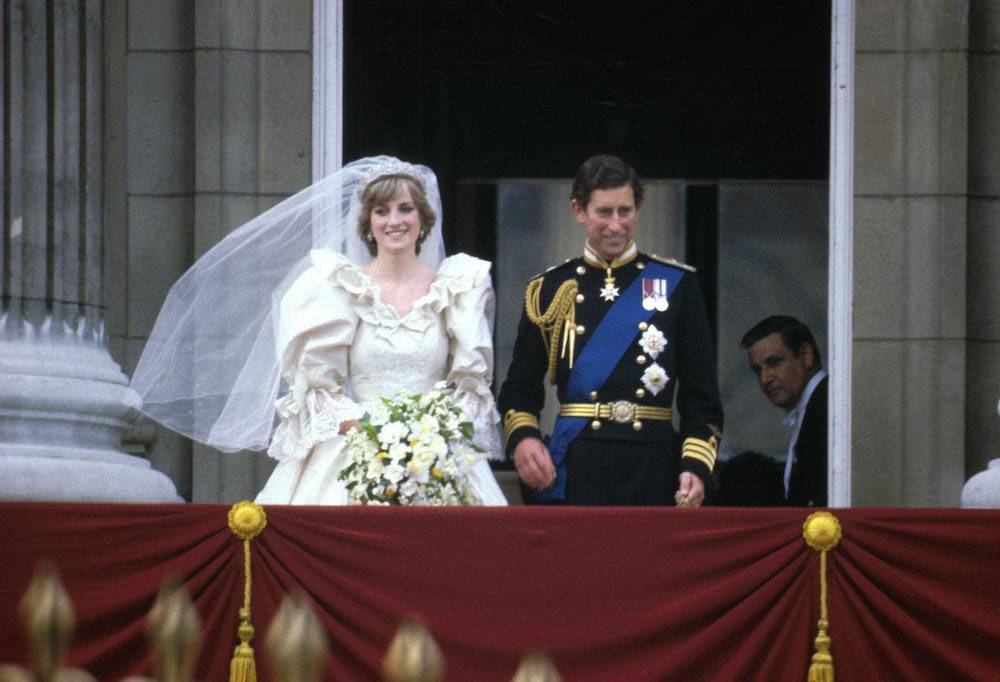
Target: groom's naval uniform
(617, 339)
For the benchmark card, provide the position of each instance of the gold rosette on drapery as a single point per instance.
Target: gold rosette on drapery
(246, 520)
(821, 531)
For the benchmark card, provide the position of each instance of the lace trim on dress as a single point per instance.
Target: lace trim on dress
(310, 413)
(487, 436)
(476, 400)
(458, 274)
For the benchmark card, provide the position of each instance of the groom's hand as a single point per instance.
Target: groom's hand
(534, 464)
(690, 490)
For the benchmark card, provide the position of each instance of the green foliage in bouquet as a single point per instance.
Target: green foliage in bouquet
(412, 449)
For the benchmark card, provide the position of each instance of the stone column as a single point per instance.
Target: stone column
(910, 252)
(62, 397)
(982, 434)
(253, 113)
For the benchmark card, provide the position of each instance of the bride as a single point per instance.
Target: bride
(362, 304)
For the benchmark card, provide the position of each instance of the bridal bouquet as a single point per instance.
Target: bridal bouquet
(411, 449)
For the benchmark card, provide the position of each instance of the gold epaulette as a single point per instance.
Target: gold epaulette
(702, 450)
(514, 420)
(557, 322)
(675, 263)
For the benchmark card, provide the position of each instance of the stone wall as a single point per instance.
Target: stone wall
(927, 174)
(209, 108)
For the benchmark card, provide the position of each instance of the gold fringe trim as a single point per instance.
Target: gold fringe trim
(246, 521)
(558, 320)
(822, 532)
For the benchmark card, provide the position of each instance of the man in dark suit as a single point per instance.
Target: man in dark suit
(784, 356)
(616, 330)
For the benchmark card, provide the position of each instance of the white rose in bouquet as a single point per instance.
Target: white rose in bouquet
(412, 449)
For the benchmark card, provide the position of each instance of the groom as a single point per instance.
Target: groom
(617, 331)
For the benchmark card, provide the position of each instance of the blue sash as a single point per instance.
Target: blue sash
(592, 367)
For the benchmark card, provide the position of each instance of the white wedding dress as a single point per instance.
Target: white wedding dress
(341, 347)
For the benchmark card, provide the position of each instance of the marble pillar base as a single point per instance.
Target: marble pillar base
(62, 415)
(63, 479)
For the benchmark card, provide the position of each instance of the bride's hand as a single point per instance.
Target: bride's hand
(349, 424)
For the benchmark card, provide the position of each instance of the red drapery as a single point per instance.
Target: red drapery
(609, 594)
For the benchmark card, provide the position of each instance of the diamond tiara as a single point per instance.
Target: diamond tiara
(393, 167)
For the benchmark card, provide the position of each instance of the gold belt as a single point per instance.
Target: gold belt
(621, 411)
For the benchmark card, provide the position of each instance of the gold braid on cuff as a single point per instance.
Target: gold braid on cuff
(702, 450)
(557, 322)
(515, 420)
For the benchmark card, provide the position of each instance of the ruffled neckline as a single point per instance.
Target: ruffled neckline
(456, 275)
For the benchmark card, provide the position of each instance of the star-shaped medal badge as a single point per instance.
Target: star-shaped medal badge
(610, 291)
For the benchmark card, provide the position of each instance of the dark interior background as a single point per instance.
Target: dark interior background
(480, 89)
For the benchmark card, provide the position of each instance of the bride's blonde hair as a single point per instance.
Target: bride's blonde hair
(385, 189)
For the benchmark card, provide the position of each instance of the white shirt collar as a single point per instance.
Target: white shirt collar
(592, 256)
(794, 418)
(795, 414)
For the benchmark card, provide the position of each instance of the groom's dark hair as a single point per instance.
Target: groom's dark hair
(604, 172)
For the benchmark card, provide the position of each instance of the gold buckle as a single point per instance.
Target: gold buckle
(622, 411)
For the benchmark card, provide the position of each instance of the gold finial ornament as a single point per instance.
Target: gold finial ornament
(174, 630)
(536, 668)
(296, 642)
(822, 533)
(413, 655)
(48, 618)
(247, 520)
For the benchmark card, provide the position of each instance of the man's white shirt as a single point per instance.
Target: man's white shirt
(794, 418)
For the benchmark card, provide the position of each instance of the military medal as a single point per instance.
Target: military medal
(654, 294)
(610, 291)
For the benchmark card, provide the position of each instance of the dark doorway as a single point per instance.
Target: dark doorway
(711, 90)
(724, 104)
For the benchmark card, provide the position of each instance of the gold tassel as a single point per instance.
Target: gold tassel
(246, 521)
(243, 668)
(822, 532)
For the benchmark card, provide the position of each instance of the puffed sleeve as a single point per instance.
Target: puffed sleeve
(316, 327)
(469, 320)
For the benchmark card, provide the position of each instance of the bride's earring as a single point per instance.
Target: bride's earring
(369, 236)
(423, 234)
